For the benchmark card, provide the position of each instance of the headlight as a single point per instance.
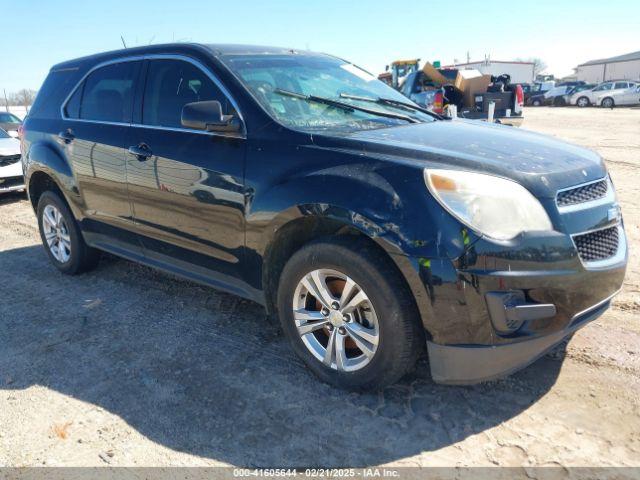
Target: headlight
(493, 206)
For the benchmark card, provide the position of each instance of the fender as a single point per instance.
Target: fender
(45, 158)
(377, 212)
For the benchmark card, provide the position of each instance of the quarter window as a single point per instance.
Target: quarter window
(170, 85)
(107, 93)
(72, 108)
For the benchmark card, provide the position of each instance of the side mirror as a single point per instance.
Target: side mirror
(208, 116)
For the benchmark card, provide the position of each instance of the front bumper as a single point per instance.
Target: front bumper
(556, 292)
(466, 365)
(11, 178)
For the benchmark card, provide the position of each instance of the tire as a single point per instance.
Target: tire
(392, 315)
(607, 102)
(583, 102)
(559, 102)
(68, 251)
(536, 103)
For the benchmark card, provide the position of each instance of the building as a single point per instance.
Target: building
(622, 67)
(520, 72)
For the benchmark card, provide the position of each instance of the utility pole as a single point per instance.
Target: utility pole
(468, 57)
(6, 102)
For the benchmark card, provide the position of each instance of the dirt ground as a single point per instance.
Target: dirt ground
(128, 366)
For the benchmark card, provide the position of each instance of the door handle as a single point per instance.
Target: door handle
(141, 151)
(67, 136)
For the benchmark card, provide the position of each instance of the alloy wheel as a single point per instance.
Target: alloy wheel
(56, 233)
(336, 320)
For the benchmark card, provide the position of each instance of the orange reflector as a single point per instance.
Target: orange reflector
(442, 183)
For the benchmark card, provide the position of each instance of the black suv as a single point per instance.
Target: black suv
(369, 226)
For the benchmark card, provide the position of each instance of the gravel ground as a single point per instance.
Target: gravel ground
(128, 366)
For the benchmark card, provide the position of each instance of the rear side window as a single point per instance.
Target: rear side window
(107, 93)
(621, 85)
(170, 85)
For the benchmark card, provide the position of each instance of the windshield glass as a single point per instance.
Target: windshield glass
(8, 118)
(266, 76)
(4, 134)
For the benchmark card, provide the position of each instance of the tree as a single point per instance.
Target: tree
(538, 64)
(24, 97)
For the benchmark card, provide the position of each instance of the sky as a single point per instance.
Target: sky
(563, 33)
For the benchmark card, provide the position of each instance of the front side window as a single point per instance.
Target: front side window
(107, 93)
(604, 86)
(272, 79)
(170, 85)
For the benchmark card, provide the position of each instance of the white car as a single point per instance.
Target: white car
(630, 96)
(11, 176)
(604, 94)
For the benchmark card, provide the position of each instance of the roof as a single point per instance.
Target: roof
(515, 62)
(215, 49)
(627, 57)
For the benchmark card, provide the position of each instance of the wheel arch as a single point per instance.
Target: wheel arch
(48, 169)
(293, 234)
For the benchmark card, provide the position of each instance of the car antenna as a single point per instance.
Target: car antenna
(123, 43)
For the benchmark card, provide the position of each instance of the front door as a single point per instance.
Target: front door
(95, 129)
(186, 186)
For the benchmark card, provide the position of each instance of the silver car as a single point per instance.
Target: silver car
(605, 94)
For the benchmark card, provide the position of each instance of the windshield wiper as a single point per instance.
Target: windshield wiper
(393, 103)
(347, 107)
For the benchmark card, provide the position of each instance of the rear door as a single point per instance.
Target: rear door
(188, 191)
(95, 125)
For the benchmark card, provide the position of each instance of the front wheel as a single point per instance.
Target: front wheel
(536, 103)
(348, 314)
(61, 236)
(583, 102)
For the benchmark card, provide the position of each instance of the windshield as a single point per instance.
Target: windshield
(8, 118)
(4, 134)
(268, 76)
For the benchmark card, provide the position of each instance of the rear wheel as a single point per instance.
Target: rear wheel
(348, 315)
(583, 102)
(61, 236)
(608, 102)
(536, 103)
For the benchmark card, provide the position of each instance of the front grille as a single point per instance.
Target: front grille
(9, 160)
(10, 182)
(584, 193)
(598, 245)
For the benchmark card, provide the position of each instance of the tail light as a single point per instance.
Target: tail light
(517, 108)
(438, 103)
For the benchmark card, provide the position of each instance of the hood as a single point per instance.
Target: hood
(9, 146)
(540, 163)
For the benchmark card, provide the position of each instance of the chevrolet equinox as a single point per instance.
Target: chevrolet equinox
(371, 227)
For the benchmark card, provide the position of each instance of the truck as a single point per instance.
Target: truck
(471, 92)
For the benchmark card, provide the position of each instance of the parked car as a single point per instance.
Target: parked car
(10, 123)
(629, 96)
(367, 225)
(11, 178)
(538, 88)
(603, 94)
(576, 89)
(554, 97)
